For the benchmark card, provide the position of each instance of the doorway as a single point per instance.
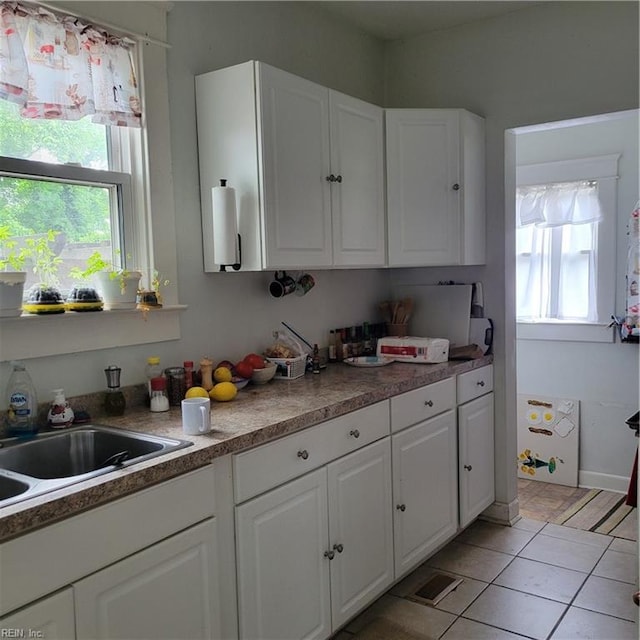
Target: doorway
(555, 356)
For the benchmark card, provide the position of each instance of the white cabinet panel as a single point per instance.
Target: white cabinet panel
(361, 529)
(169, 590)
(476, 460)
(435, 187)
(295, 160)
(283, 575)
(474, 383)
(50, 618)
(423, 403)
(357, 194)
(425, 489)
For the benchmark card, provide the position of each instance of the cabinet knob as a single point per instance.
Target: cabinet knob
(332, 178)
(355, 433)
(480, 383)
(428, 403)
(338, 547)
(329, 554)
(456, 187)
(338, 178)
(304, 454)
(401, 507)
(468, 467)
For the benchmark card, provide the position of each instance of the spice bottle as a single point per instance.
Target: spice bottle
(316, 359)
(159, 399)
(332, 346)
(188, 373)
(152, 370)
(339, 354)
(114, 400)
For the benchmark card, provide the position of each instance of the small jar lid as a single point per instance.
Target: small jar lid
(158, 384)
(153, 360)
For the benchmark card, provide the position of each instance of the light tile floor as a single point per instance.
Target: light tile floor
(533, 580)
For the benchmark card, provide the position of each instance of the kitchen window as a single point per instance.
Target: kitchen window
(565, 257)
(84, 164)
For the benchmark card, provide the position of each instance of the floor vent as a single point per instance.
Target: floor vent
(437, 587)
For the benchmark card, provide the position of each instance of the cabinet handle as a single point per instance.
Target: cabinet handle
(304, 454)
(331, 178)
(428, 403)
(338, 547)
(468, 467)
(401, 507)
(338, 178)
(480, 383)
(329, 554)
(355, 433)
(456, 187)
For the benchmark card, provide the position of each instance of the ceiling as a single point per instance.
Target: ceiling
(396, 19)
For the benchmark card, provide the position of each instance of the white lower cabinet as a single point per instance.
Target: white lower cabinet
(316, 550)
(50, 618)
(475, 436)
(425, 489)
(169, 590)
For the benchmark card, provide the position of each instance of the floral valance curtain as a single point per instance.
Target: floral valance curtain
(558, 204)
(57, 67)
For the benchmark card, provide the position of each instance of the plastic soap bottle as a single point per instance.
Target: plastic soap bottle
(22, 413)
(152, 370)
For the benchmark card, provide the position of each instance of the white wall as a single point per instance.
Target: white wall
(603, 376)
(229, 314)
(547, 62)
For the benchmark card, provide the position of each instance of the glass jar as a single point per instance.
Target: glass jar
(176, 385)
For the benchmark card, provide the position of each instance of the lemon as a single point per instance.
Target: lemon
(222, 374)
(196, 392)
(223, 392)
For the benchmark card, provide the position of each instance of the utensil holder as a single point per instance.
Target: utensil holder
(398, 330)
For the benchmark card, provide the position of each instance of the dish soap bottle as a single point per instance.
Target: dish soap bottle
(22, 413)
(60, 413)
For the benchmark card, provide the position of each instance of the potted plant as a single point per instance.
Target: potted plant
(44, 297)
(152, 298)
(12, 274)
(118, 286)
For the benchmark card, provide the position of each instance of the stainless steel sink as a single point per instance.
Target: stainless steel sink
(57, 459)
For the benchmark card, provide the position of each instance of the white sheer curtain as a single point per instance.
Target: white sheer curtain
(556, 241)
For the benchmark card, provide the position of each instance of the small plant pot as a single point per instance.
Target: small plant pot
(44, 299)
(11, 293)
(147, 299)
(120, 291)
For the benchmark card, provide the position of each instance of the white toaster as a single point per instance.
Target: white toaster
(412, 349)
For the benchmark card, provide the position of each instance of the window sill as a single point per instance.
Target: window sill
(564, 331)
(34, 336)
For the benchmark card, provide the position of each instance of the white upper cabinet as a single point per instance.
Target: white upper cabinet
(435, 187)
(357, 191)
(307, 165)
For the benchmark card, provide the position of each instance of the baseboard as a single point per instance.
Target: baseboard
(593, 480)
(507, 513)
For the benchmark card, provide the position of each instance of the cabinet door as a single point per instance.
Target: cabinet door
(50, 618)
(423, 187)
(295, 166)
(475, 429)
(283, 575)
(357, 193)
(425, 489)
(360, 529)
(169, 590)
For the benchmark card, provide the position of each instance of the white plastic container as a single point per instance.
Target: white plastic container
(415, 350)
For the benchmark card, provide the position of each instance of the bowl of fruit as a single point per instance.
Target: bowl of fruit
(264, 374)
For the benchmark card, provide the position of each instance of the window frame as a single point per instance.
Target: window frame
(604, 170)
(154, 231)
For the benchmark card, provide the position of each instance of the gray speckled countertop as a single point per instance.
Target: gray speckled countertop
(258, 414)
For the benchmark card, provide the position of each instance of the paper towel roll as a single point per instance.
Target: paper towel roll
(225, 225)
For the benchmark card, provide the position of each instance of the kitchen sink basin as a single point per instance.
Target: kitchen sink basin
(9, 487)
(53, 460)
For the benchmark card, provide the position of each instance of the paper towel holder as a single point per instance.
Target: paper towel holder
(226, 221)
